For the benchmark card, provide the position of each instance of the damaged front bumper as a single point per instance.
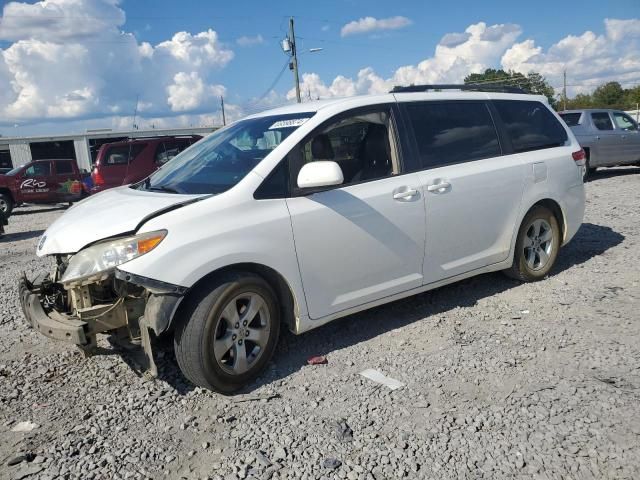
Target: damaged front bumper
(123, 305)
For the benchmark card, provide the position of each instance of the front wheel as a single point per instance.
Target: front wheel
(6, 204)
(227, 332)
(537, 246)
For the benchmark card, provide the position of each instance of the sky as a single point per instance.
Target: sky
(71, 65)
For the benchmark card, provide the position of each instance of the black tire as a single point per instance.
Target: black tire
(522, 268)
(201, 320)
(6, 204)
(588, 169)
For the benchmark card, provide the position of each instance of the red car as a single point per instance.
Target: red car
(129, 161)
(41, 181)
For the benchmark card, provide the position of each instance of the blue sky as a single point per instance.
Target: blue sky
(67, 65)
(545, 21)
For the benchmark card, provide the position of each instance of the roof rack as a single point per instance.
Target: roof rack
(452, 86)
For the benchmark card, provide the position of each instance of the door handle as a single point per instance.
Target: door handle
(440, 187)
(405, 193)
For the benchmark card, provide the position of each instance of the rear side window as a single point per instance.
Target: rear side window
(122, 154)
(167, 150)
(601, 121)
(64, 168)
(571, 119)
(530, 125)
(452, 132)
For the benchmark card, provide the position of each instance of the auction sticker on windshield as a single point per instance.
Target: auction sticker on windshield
(292, 122)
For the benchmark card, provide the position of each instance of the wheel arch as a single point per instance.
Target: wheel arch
(289, 308)
(6, 191)
(557, 211)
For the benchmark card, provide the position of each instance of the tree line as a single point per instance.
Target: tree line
(607, 95)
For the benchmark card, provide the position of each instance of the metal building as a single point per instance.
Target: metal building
(83, 147)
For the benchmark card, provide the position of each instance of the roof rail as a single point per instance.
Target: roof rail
(452, 86)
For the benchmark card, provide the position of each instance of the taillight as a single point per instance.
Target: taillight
(97, 178)
(579, 157)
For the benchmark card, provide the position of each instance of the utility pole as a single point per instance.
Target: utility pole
(564, 90)
(224, 120)
(294, 59)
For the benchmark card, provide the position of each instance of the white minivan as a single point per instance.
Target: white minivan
(307, 213)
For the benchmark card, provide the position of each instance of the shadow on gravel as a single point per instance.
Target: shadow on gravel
(13, 237)
(603, 173)
(39, 210)
(293, 351)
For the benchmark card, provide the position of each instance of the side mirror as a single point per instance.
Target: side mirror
(322, 173)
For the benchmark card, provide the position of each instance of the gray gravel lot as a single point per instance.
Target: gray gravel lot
(503, 380)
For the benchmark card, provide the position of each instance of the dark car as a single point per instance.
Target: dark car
(41, 181)
(129, 161)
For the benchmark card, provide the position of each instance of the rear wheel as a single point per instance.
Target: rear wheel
(588, 170)
(6, 204)
(537, 246)
(228, 331)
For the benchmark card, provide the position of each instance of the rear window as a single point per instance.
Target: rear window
(530, 125)
(571, 119)
(64, 168)
(122, 154)
(452, 132)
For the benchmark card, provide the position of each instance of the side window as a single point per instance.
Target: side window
(452, 132)
(624, 121)
(123, 154)
(571, 119)
(359, 144)
(40, 169)
(276, 185)
(167, 150)
(64, 168)
(530, 125)
(602, 121)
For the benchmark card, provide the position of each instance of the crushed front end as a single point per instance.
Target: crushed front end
(113, 302)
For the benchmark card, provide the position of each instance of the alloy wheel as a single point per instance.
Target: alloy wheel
(538, 244)
(241, 333)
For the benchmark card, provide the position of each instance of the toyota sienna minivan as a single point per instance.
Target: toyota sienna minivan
(303, 214)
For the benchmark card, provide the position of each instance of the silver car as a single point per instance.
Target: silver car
(608, 137)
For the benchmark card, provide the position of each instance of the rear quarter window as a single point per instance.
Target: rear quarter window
(122, 154)
(64, 168)
(530, 125)
(571, 119)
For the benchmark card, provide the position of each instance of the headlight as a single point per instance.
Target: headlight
(105, 256)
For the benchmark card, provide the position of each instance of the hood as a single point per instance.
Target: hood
(107, 214)
(4, 180)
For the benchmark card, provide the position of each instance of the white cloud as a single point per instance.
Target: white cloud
(188, 92)
(372, 24)
(589, 59)
(457, 55)
(248, 41)
(70, 59)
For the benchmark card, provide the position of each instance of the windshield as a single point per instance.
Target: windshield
(14, 171)
(218, 162)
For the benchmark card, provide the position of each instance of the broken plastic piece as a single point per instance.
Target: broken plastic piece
(318, 360)
(378, 377)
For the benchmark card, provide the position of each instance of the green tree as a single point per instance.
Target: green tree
(608, 95)
(533, 82)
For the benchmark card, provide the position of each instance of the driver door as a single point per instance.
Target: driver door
(362, 240)
(35, 183)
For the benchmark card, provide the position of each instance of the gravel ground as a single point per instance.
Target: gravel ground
(503, 380)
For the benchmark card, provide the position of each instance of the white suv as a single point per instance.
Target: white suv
(304, 214)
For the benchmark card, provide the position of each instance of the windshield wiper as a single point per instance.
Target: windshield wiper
(162, 188)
